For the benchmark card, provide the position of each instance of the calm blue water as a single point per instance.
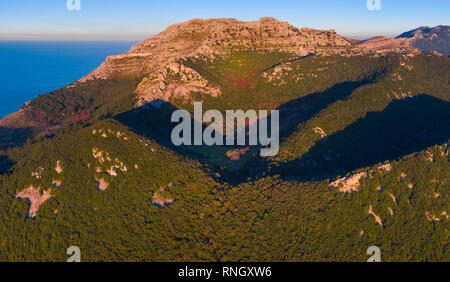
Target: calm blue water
(30, 68)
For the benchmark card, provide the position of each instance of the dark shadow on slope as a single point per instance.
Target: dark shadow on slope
(151, 122)
(155, 124)
(302, 109)
(296, 112)
(5, 164)
(404, 127)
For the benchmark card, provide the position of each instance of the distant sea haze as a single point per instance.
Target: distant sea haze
(30, 68)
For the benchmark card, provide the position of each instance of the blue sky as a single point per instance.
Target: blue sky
(139, 19)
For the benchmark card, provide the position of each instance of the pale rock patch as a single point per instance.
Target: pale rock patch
(143, 142)
(116, 164)
(120, 165)
(430, 156)
(35, 197)
(406, 66)
(278, 74)
(397, 76)
(236, 154)
(174, 80)
(112, 171)
(102, 184)
(98, 155)
(119, 134)
(444, 150)
(393, 198)
(205, 39)
(431, 217)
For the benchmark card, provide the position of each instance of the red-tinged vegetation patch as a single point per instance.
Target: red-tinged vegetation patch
(39, 117)
(35, 197)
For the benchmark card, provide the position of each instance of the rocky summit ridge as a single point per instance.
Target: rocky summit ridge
(207, 38)
(429, 38)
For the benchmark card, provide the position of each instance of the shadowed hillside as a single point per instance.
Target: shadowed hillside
(430, 38)
(110, 181)
(5, 164)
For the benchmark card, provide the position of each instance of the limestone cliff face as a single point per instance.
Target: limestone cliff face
(429, 38)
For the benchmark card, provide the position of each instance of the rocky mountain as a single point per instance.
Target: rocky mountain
(363, 158)
(384, 44)
(430, 38)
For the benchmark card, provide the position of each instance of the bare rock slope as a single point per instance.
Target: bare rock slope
(153, 60)
(381, 44)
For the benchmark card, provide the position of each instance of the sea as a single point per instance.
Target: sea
(31, 68)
